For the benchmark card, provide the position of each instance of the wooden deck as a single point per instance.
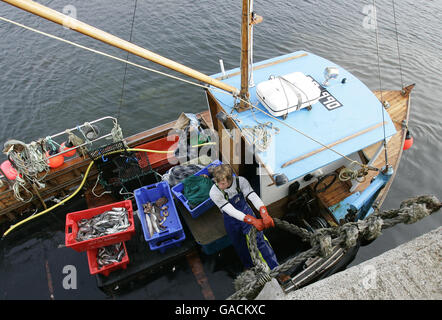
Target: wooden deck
(399, 113)
(337, 192)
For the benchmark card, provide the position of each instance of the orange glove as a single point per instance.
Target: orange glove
(257, 223)
(268, 221)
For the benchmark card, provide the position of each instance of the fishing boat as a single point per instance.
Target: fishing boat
(318, 146)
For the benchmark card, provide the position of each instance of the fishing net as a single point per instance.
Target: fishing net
(120, 169)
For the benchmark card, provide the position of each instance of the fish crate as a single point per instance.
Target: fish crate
(71, 228)
(170, 242)
(173, 233)
(203, 206)
(105, 270)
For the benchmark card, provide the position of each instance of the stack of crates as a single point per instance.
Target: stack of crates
(172, 234)
(92, 245)
(203, 206)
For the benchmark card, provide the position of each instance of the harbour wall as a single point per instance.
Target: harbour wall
(411, 271)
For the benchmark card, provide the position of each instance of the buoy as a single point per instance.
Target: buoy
(408, 141)
(56, 161)
(67, 145)
(8, 170)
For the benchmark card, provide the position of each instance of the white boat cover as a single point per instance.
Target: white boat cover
(284, 94)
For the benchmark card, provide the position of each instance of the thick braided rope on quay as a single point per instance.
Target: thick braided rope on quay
(249, 283)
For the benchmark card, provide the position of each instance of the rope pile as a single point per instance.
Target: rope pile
(351, 173)
(29, 160)
(259, 136)
(117, 134)
(249, 283)
(76, 141)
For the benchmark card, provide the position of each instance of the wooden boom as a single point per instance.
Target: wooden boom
(112, 40)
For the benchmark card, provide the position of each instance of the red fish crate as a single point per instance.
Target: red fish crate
(107, 269)
(71, 229)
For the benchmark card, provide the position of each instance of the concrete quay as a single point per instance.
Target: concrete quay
(412, 271)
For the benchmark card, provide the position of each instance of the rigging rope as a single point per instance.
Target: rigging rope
(188, 82)
(259, 135)
(398, 51)
(76, 141)
(117, 133)
(323, 240)
(127, 59)
(380, 81)
(102, 53)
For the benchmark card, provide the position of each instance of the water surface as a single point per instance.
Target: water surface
(47, 86)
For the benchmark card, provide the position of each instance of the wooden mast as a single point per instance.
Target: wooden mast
(112, 40)
(245, 33)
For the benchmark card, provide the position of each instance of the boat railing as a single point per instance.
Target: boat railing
(114, 133)
(88, 142)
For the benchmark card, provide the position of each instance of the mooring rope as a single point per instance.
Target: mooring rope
(322, 241)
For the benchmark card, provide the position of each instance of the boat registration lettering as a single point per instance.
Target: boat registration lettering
(326, 98)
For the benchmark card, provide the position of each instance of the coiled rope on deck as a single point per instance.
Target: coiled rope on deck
(249, 283)
(29, 160)
(351, 173)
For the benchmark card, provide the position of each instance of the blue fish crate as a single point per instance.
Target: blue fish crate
(203, 206)
(173, 234)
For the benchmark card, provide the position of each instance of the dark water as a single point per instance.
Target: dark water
(47, 86)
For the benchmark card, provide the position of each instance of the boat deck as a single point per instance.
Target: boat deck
(374, 154)
(353, 123)
(207, 229)
(399, 111)
(338, 191)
